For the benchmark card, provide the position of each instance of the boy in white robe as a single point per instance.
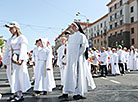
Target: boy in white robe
(60, 61)
(114, 61)
(43, 82)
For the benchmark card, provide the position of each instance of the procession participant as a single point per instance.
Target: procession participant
(90, 54)
(109, 51)
(132, 59)
(136, 58)
(103, 62)
(114, 61)
(77, 69)
(95, 60)
(15, 62)
(126, 58)
(43, 82)
(121, 58)
(35, 58)
(61, 57)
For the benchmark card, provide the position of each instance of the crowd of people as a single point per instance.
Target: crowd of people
(77, 62)
(113, 61)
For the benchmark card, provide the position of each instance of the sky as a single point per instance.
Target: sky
(47, 18)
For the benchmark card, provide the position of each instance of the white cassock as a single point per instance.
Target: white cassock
(43, 78)
(114, 61)
(77, 70)
(110, 54)
(137, 61)
(127, 58)
(19, 80)
(132, 60)
(35, 59)
(60, 52)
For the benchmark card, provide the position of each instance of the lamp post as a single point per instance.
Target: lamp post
(87, 20)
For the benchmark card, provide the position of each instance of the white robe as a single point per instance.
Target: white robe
(35, 59)
(19, 80)
(43, 80)
(115, 67)
(77, 69)
(132, 60)
(137, 61)
(60, 52)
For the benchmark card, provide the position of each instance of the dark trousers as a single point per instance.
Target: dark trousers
(121, 66)
(103, 68)
(126, 67)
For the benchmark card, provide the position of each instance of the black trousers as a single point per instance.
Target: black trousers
(126, 67)
(103, 68)
(121, 66)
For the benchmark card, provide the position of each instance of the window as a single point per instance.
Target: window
(121, 12)
(115, 6)
(110, 26)
(101, 32)
(97, 33)
(121, 22)
(115, 34)
(132, 19)
(121, 3)
(132, 9)
(115, 15)
(105, 23)
(101, 43)
(121, 32)
(110, 9)
(111, 35)
(105, 31)
(133, 41)
(101, 25)
(132, 30)
(110, 18)
(116, 24)
(97, 40)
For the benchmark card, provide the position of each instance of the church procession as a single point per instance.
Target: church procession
(90, 61)
(78, 64)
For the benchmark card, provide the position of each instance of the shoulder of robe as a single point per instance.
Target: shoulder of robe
(23, 39)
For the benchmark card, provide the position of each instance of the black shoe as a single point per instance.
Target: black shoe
(12, 97)
(64, 96)
(81, 97)
(77, 97)
(17, 99)
(43, 93)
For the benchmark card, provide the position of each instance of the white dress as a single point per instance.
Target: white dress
(77, 70)
(19, 79)
(114, 61)
(132, 60)
(137, 61)
(43, 80)
(59, 62)
(35, 59)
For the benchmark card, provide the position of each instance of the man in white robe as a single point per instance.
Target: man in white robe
(77, 69)
(114, 61)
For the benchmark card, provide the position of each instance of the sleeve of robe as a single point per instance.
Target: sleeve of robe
(49, 59)
(83, 45)
(23, 49)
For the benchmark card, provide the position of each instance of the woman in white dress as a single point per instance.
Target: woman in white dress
(15, 62)
(44, 80)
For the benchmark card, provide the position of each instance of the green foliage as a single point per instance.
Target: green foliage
(1, 43)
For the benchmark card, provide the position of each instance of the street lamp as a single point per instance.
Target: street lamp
(87, 20)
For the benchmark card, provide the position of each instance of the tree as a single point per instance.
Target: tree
(1, 43)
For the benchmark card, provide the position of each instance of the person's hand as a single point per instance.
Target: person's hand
(47, 69)
(5, 66)
(19, 62)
